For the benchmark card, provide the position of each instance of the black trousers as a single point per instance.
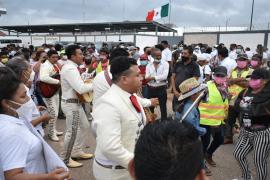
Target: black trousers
(232, 115)
(161, 94)
(218, 137)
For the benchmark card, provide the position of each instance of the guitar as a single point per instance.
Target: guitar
(86, 97)
(48, 90)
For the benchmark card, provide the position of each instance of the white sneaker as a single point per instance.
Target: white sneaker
(59, 133)
(53, 138)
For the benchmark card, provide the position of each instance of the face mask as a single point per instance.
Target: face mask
(254, 63)
(157, 61)
(143, 62)
(185, 58)
(238, 51)
(242, 64)
(103, 58)
(220, 80)
(180, 48)
(25, 110)
(255, 83)
(65, 57)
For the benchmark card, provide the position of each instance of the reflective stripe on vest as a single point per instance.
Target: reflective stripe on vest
(214, 111)
(234, 89)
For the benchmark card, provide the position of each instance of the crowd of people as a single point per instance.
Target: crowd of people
(114, 93)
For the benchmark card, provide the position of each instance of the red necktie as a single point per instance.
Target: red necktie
(135, 103)
(80, 70)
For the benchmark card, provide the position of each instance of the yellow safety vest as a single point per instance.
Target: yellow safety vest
(99, 67)
(235, 89)
(214, 111)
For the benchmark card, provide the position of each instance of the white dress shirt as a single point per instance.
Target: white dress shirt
(233, 54)
(229, 63)
(71, 81)
(167, 55)
(160, 74)
(46, 72)
(19, 148)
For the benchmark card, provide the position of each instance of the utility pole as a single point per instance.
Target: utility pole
(251, 16)
(170, 11)
(227, 21)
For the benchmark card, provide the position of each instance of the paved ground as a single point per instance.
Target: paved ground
(226, 169)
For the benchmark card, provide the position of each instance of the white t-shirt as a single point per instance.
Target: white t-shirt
(35, 113)
(19, 148)
(167, 54)
(229, 63)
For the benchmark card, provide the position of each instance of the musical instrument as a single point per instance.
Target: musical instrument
(150, 117)
(48, 90)
(87, 97)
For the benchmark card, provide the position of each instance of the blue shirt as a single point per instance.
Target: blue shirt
(193, 117)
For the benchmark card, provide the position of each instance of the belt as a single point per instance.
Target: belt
(75, 101)
(157, 87)
(110, 166)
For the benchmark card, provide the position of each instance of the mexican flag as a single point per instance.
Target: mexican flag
(158, 13)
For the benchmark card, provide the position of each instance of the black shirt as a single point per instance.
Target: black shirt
(254, 107)
(184, 72)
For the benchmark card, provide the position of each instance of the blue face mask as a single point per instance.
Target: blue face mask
(144, 62)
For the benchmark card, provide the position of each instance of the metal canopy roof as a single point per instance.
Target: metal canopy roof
(126, 26)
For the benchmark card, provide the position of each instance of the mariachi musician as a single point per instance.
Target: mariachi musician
(76, 120)
(49, 87)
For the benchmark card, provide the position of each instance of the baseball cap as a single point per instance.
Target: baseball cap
(220, 70)
(260, 73)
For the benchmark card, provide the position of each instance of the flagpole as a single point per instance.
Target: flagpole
(170, 10)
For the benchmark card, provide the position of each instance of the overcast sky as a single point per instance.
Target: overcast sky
(184, 12)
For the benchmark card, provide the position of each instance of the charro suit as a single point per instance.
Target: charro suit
(118, 126)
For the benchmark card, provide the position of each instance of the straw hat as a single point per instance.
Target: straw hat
(189, 87)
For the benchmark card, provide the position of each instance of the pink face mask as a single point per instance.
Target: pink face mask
(242, 64)
(254, 63)
(220, 80)
(255, 83)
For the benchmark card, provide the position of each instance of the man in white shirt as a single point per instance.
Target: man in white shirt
(48, 72)
(205, 70)
(249, 53)
(119, 119)
(156, 75)
(166, 53)
(76, 120)
(225, 61)
(233, 54)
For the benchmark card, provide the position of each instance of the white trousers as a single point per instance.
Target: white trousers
(101, 173)
(76, 126)
(53, 109)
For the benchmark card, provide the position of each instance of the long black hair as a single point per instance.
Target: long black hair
(9, 83)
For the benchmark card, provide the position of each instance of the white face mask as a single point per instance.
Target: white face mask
(25, 110)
